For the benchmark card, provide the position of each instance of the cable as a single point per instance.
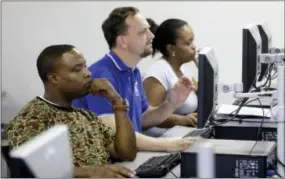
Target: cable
(275, 75)
(275, 170)
(260, 128)
(215, 122)
(277, 173)
(218, 122)
(254, 82)
(268, 78)
(278, 161)
(173, 174)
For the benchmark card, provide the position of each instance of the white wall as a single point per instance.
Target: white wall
(28, 27)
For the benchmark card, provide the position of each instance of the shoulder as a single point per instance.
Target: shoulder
(36, 112)
(32, 119)
(160, 63)
(161, 71)
(103, 62)
(34, 109)
(103, 68)
(159, 67)
(91, 115)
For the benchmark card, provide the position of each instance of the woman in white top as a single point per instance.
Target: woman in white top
(174, 39)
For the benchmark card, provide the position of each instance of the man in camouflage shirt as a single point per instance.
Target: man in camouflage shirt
(63, 71)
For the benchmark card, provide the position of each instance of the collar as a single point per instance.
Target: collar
(118, 62)
(55, 105)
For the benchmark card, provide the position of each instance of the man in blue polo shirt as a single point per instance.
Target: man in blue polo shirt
(127, 33)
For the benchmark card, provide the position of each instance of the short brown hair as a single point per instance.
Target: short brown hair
(115, 24)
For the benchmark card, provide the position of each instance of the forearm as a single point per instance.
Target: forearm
(155, 116)
(81, 172)
(143, 142)
(172, 120)
(125, 139)
(146, 143)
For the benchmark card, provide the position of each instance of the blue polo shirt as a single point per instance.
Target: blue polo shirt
(126, 81)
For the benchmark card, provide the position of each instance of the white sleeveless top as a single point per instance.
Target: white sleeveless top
(163, 72)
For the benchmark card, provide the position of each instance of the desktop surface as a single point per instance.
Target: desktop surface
(235, 147)
(142, 156)
(174, 132)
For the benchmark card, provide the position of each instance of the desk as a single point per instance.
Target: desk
(142, 156)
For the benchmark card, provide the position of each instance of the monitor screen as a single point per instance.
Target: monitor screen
(207, 85)
(251, 48)
(265, 47)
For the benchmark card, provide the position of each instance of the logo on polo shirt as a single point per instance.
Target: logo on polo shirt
(136, 90)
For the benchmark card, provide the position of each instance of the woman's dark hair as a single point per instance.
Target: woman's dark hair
(153, 25)
(166, 33)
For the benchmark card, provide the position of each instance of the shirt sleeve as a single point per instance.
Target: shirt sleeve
(158, 71)
(22, 130)
(97, 104)
(109, 135)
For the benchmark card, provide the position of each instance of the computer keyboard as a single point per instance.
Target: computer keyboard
(158, 166)
(204, 132)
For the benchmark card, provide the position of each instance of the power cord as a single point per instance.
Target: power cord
(275, 170)
(278, 161)
(260, 128)
(218, 122)
(174, 174)
(268, 77)
(277, 173)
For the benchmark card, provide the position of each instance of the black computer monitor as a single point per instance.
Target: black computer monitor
(251, 48)
(207, 85)
(265, 47)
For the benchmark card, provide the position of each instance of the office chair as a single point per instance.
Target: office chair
(16, 168)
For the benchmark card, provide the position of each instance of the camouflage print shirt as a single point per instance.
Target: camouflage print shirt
(88, 135)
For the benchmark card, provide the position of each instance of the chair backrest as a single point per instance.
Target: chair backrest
(5, 168)
(17, 168)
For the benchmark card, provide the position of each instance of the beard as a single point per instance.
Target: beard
(145, 53)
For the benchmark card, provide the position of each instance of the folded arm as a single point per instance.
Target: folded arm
(124, 145)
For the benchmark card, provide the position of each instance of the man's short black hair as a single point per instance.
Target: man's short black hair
(48, 58)
(115, 24)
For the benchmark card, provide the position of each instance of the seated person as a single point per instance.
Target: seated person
(63, 71)
(174, 39)
(127, 33)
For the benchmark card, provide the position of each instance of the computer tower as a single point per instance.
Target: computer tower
(233, 159)
(244, 130)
